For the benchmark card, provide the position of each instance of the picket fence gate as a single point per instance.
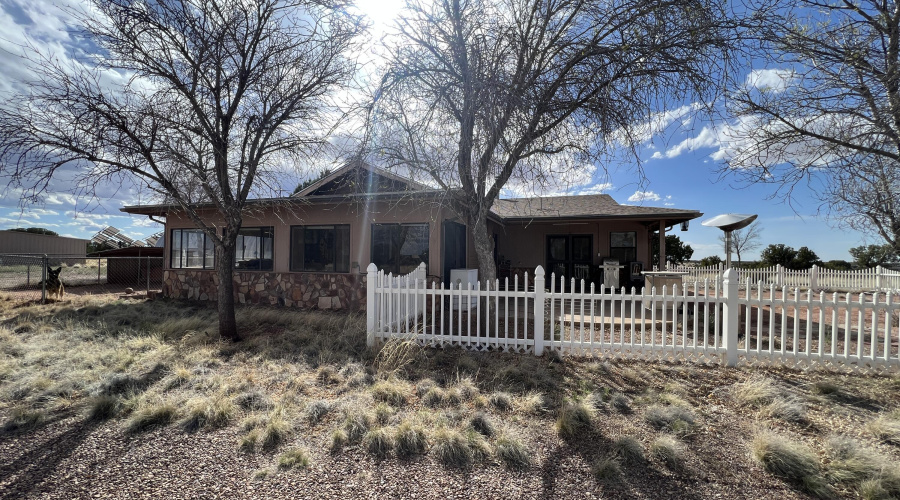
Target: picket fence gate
(710, 321)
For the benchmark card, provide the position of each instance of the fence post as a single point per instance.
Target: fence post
(147, 271)
(371, 279)
(730, 316)
(879, 272)
(814, 277)
(44, 263)
(779, 275)
(538, 311)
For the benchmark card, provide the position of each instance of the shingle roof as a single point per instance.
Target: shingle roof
(587, 206)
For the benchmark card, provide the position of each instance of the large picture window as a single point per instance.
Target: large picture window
(623, 246)
(399, 248)
(254, 248)
(191, 249)
(320, 248)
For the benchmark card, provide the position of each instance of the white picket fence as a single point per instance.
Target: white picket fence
(710, 321)
(816, 278)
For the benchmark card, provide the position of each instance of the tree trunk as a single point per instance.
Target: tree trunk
(484, 249)
(225, 291)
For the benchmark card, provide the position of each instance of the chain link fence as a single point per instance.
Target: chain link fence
(23, 277)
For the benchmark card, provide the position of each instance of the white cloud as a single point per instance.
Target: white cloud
(600, 187)
(770, 80)
(657, 124)
(35, 213)
(641, 196)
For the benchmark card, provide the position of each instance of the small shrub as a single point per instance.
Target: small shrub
(629, 449)
(513, 453)
(295, 458)
(392, 391)
(452, 448)
(150, 416)
(410, 440)
(607, 470)
(103, 407)
(574, 420)
(316, 411)
(502, 401)
(791, 461)
(482, 424)
(669, 450)
(379, 442)
(339, 439)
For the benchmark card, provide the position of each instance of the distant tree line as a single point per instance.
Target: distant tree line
(864, 257)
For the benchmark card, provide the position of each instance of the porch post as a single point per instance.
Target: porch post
(662, 245)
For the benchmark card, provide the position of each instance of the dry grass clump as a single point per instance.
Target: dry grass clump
(620, 402)
(393, 391)
(669, 450)
(339, 439)
(327, 375)
(452, 448)
(791, 461)
(395, 355)
(785, 408)
(23, 419)
(379, 442)
(533, 403)
(482, 424)
(513, 453)
(295, 458)
(209, 413)
(275, 432)
(756, 391)
(103, 407)
(481, 449)
(435, 397)
(607, 470)
(410, 440)
(383, 413)
(357, 424)
(629, 449)
(150, 415)
(887, 428)
(316, 411)
(423, 386)
(676, 419)
(466, 389)
(502, 401)
(253, 401)
(574, 420)
(826, 388)
(871, 474)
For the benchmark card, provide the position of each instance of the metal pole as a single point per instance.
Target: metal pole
(44, 279)
(98, 270)
(727, 249)
(147, 270)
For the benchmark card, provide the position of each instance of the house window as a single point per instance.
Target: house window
(191, 249)
(320, 248)
(399, 248)
(254, 248)
(623, 246)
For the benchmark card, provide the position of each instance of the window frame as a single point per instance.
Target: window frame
(207, 243)
(611, 247)
(333, 228)
(261, 230)
(395, 267)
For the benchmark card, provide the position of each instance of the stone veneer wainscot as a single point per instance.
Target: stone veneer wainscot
(301, 290)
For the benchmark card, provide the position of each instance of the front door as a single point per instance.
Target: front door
(453, 248)
(569, 255)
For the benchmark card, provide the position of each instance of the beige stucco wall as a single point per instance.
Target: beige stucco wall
(359, 216)
(525, 245)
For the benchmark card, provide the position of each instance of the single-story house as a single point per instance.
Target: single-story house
(311, 249)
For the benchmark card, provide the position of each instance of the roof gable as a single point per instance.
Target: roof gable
(360, 178)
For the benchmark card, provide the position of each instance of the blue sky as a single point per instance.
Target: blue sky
(681, 167)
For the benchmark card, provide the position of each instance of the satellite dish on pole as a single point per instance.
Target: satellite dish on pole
(729, 223)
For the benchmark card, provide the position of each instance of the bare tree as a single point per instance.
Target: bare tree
(479, 92)
(219, 94)
(826, 110)
(743, 240)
